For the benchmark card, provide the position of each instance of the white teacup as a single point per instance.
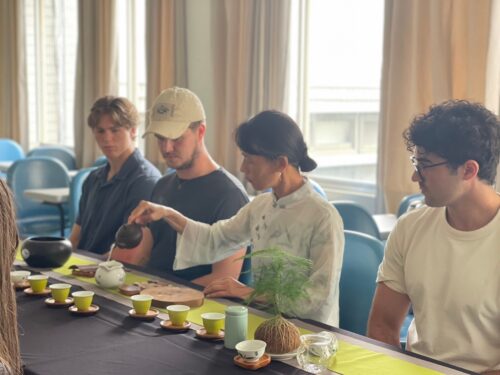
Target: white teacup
(251, 350)
(19, 276)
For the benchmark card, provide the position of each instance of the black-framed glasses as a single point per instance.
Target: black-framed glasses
(419, 168)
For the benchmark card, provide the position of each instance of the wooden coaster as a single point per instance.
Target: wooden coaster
(202, 334)
(261, 362)
(164, 296)
(91, 311)
(30, 292)
(129, 290)
(51, 302)
(83, 271)
(167, 324)
(150, 315)
(21, 285)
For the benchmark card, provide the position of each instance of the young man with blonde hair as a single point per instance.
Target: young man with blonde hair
(112, 191)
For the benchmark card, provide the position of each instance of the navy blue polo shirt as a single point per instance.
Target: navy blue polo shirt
(106, 205)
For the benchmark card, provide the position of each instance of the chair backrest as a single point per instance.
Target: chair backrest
(35, 173)
(362, 257)
(100, 161)
(10, 150)
(75, 192)
(357, 218)
(317, 187)
(62, 154)
(410, 200)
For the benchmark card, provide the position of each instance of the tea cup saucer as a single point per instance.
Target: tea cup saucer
(51, 302)
(91, 311)
(30, 292)
(21, 285)
(150, 315)
(167, 324)
(203, 334)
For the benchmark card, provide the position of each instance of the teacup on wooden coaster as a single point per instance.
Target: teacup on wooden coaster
(202, 334)
(21, 285)
(167, 324)
(51, 302)
(252, 365)
(30, 292)
(150, 315)
(91, 311)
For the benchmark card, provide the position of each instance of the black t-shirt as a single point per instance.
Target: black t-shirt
(216, 196)
(106, 205)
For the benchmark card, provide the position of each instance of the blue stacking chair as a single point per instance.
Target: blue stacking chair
(409, 200)
(36, 218)
(362, 257)
(317, 187)
(75, 192)
(10, 150)
(357, 218)
(64, 155)
(100, 161)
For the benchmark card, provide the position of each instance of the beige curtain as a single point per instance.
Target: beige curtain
(433, 51)
(492, 99)
(250, 60)
(97, 73)
(165, 57)
(13, 87)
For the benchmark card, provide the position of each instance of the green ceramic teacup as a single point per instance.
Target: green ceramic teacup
(38, 282)
(178, 314)
(83, 299)
(213, 322)
(141, 303)
(60, 292)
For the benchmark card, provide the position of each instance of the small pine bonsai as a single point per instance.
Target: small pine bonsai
(280, 281)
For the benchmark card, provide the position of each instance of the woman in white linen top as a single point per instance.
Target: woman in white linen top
(293, 217)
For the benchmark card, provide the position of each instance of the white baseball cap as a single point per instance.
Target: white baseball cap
(173, 111)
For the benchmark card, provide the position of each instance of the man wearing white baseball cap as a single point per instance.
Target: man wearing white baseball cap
(199, 188)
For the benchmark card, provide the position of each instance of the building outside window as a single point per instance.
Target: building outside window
(336, 67)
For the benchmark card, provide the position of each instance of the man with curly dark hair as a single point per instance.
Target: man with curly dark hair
(444, 259)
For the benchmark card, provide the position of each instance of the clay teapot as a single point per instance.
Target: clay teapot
(128, 236)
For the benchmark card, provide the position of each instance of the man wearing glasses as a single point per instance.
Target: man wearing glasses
(444, 259)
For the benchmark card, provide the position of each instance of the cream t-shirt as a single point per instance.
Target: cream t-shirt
(452, 278)
(302, 223)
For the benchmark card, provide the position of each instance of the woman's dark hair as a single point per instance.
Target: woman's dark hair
(458, 130)
(272, 134)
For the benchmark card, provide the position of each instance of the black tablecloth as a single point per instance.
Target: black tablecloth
(53, 341)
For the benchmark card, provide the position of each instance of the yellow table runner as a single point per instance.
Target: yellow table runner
(350, 359)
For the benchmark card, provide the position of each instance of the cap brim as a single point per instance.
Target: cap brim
(167, 129)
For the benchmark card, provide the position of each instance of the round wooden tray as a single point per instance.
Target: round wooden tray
(164, 296)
